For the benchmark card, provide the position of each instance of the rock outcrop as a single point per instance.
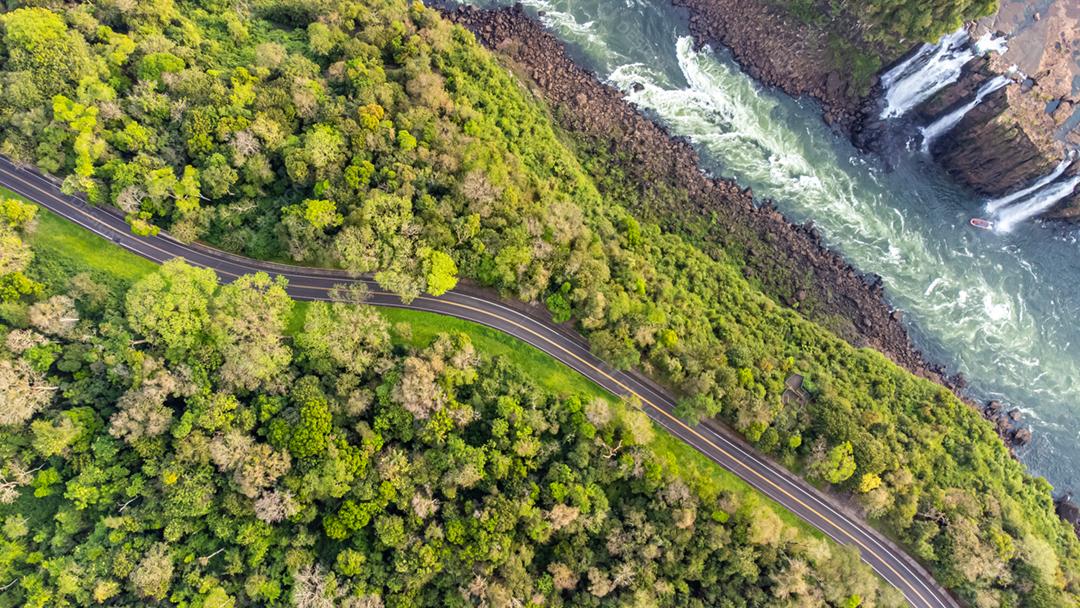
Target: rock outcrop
(1007, 424)
(779, 50)
(1045, 45)
(993, 150)
(769, 245)
(1022, 131)
(1069, 511)
(1012, 138)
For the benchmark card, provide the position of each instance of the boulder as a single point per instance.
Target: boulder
(1022, 437)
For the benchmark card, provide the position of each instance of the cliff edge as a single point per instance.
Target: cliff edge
(1018, 133)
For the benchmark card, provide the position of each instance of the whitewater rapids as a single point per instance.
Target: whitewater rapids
(1000, 308)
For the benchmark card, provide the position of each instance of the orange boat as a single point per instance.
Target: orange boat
(982, 224)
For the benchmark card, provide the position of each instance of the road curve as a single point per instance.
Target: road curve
(730, 452)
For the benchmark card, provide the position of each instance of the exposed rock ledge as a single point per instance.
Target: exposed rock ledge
(1044, 43)
(655, 159)
(1004, 144)
(780, 51)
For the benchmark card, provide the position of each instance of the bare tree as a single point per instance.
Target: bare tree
(311, 589)
(275, 506)
(23, 392)
(56, 316)
(22, 340)
(14, 475)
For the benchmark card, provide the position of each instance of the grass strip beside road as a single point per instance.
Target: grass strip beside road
(63, 249)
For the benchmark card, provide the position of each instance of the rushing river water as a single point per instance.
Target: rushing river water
(1001, 308)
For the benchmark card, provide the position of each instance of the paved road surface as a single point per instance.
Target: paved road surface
(481, 307)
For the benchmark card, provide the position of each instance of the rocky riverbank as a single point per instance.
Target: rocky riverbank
(812, 278)
(656, 160)
(1012, 138)
(782, 51)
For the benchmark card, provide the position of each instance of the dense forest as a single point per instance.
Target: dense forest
(375, 137)
(146, 462)
(896, 25)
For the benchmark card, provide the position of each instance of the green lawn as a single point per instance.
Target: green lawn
(63, 249)
(66, 249)
(55, 237)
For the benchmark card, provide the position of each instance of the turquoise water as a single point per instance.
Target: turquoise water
(1000, 308)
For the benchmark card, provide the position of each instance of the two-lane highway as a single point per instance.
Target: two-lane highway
(895, 566)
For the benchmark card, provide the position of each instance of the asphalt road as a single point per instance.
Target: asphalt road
(730, 452)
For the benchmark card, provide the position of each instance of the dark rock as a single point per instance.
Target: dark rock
(599, 114)
(834, 87)
(786, 53)
(972, 152)
(1068, 510)
(1004, 427)
(1015, 414)
(1022, 437)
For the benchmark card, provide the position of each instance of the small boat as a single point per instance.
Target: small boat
(982, 224)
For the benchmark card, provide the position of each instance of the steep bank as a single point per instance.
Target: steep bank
(973, 152)
(788, 261)
(497, 28)
(782, 50)
(994, 150)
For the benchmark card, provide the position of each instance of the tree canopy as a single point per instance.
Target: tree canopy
(430, 476)
(378, 138)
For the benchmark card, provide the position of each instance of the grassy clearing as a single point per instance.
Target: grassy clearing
(542, 368)
(65, 248)
(712, 480)
(57, 238)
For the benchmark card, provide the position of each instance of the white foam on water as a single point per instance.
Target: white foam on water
(946, 123)
(1039, 202)
(568, 26)
(933, 285)
(994, 205)
(932, 69)
(889, 78)
(935, 71)
(992, 43)
(723, 111)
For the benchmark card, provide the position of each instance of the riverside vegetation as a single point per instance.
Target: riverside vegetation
(334, 464)
(378, 138)
(895, 24)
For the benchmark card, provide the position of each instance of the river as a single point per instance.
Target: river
(1000, 308)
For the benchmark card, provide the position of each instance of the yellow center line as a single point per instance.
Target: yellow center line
(559, 347)
(687, 428)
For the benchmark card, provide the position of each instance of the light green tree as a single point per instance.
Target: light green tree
(171, 307)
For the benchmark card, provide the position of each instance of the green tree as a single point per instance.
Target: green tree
(248, 320)
(342, 335)
(171, 307)
(39, 44)
(839, 464)
(441, 272)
